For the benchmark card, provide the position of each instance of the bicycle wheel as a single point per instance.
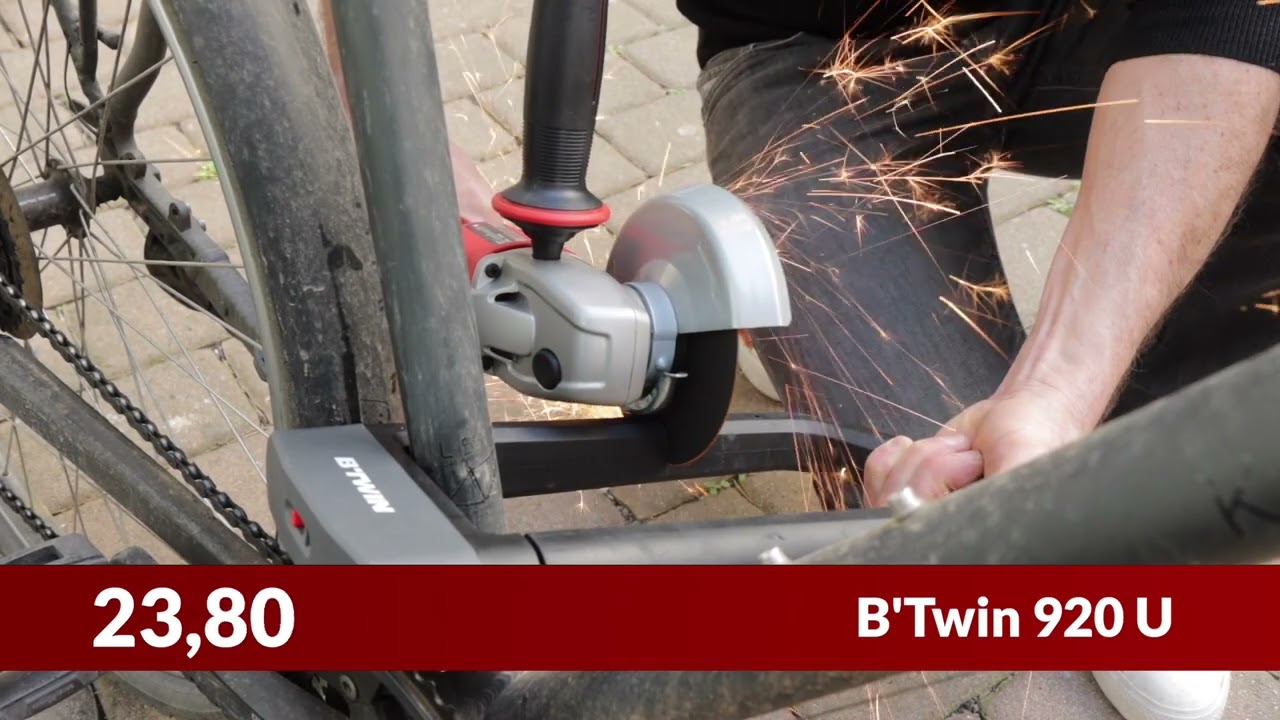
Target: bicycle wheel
(192, 202)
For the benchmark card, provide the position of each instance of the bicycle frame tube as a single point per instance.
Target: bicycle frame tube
(1191, 478)
(400, 131)
(667, 695)
(177, 516)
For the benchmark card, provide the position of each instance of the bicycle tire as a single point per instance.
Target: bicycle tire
(297, 183)
(281, 52)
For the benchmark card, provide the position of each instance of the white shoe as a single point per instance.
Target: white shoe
(1166, 695)
(753, 369)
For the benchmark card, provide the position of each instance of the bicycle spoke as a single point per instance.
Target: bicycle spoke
(115, 249)
(39, 44)
(92, 107)
(27, 97)
(115, 73)
(118, 316)
(146, 161)
(130, 261)
(41, 131)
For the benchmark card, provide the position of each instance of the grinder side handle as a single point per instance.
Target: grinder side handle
(564, 69)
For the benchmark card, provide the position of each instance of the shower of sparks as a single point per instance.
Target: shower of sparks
(925, 678)
(1021, 116)
(1270, 301)
(1026, 696)
(857, 187)
(826, 459)
(976, 328)
(937, 31)
(1031, 259)
(1171, 121)
(987, 298)
(662, 173)
(997, 290)
(850, 73)
(508, 405)
(878, 398)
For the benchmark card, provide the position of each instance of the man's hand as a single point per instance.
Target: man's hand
(1174, 142)
(988, 438)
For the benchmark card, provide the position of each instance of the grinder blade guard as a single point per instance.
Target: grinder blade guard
(710, 254)
(706, 252)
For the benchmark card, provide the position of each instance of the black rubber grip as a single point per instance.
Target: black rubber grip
(564, 68)
(557, 157)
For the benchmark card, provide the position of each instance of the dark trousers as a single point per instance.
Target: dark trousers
(889, 333)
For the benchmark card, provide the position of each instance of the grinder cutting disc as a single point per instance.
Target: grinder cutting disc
(18, 262)
(699, 402)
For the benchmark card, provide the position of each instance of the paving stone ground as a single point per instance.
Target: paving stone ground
(649, 141)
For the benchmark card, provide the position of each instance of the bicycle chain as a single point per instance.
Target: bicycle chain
(204, 486)
(29, 516)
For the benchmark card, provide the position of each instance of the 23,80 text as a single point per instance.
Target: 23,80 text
(227, 626)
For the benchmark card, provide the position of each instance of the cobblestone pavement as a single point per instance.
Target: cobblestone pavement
(649, 141)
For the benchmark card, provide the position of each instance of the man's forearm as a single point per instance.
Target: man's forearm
(1162, 180)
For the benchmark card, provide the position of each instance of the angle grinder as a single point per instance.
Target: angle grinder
(655, 332)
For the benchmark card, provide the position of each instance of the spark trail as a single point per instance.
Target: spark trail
(853, 182)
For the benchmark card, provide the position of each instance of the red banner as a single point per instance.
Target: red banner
(640, 618)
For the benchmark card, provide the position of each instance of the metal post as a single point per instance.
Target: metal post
(393, 90)
(666, 695)
(1191, 478)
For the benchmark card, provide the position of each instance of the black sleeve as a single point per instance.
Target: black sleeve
(1241, 30)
